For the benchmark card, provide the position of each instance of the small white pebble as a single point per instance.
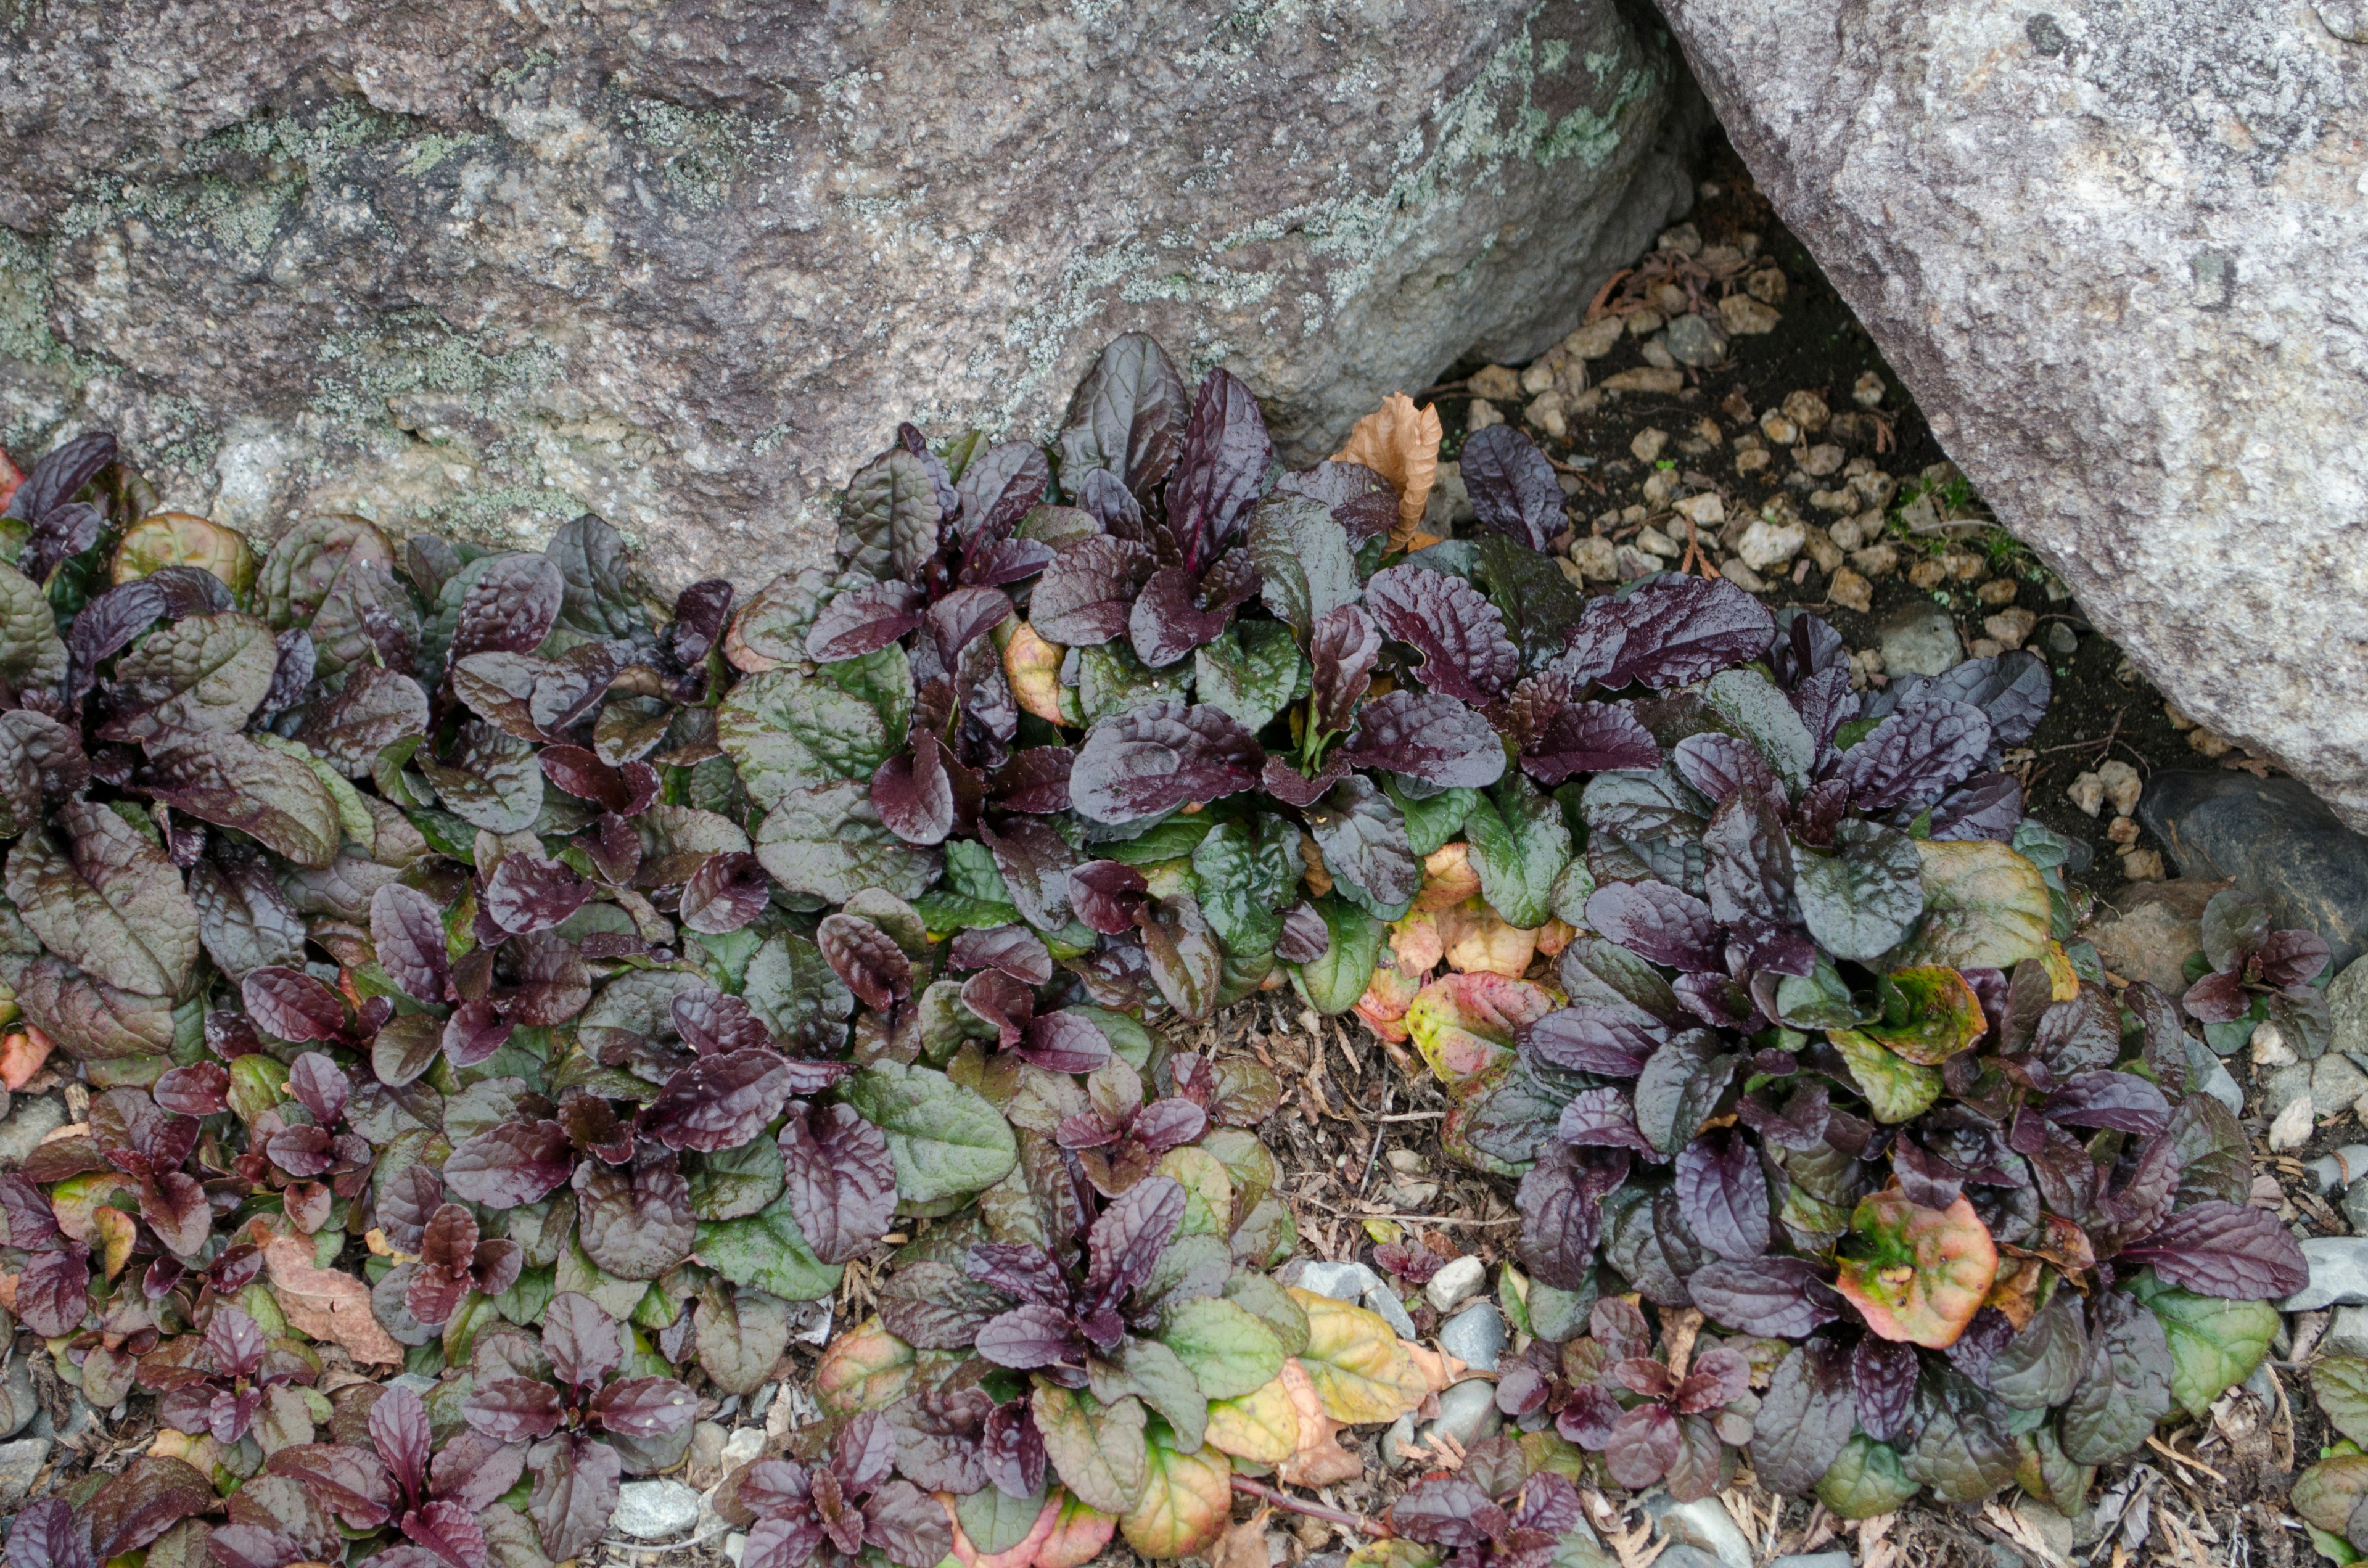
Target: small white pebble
(2293, 1128)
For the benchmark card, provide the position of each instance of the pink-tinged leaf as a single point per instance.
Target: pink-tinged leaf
(1429, 736)
(47, 1534)
(1460, 636)
(1158, 757)
(528, 893)
(476, 1470)
(510, 1410)
(1644, 1443)
(473, 1034)
(291, 1005)
(200, 1090)
(350, 1482)
(175, 1208)
(1305, 939)
(1723, 1194)
(719, 1102)
(1106, 893)
(1590, 737)
(624, 791)
(2122, 1101)
(866, 958)
(1002, 1001)
(841, 1180)
(519, 1162)
(2218, 998)
(1719, 1377)
(914, 793)
(2230, 1250)
(1658, 923)
(449, 1531)
(644, 1407)
(728, 890)
(1013, 949)
(398, 1429)
(1064, 1042)
(1784, 1297)
(584, 1342)
(408, 929)
(320, 1086)
(861, 620)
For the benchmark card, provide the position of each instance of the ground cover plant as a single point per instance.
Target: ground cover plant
(481, 974)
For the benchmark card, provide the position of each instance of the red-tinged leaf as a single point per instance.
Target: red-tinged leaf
(1513, 488)
(303, 1150)
(1064, 1042)
(449, 1531)
(234, 1341)
(1013, 949)
(1036, 781)
(320, 1086)
(1917, 1275)
(27, 1221)
(1126, 1242)
(350, 1482)
(474, 1469)
(2223, 1249)
(474, 1033)
(1590, 737)
(727, 891)
(867, 959)
(576, 1489)
(1644, 1443)
(1160, 756)
(1671, 631)
(1106, 893)
(175, 1206)
(1087, 592)
(199, 1090)
(449, 1239)
(529, 893)
(625, 791)
(1640, 1375)
(719, 1102)
(147, 1499)
(1659, 923)
(2291, 958)
(2218, 998)
(712, 1021)
(1182, 954)
(1460, 636)
(914, 793)
(399, 1430)
(1588, 1417)
(1723, 1194)
(510, 1410)
(1220, 470)
(511, 606)
(1781, 1297)
(519, 1162)
(842, 1182)
(1002, 1001)
(2119, 1100)
(1719, 1377)
(635, 1222)
(1912, 757)
(1447, 1510)
(1415, 1265)
(1429, 736)
(1167, 1124)
(583, 1341)
(1167, 622)
(1342, 649)
(289, 1005)
(47, 1534)
(646, 1407)
(861, 620)
(1032, 1335)
(53, 1293)
(1304, 938)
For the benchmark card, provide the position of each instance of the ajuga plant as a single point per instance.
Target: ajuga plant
(486, 974)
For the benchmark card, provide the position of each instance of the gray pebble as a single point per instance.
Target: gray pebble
(1693, 340)
(23, 1403)
(1383, 1300)
(1457, 1282)
(1467, 1412)
(1704, 1523)
(2338, 1273)
(1820, 1559)
(2063, 642)
(2222, 1086)
(2355, 1207)
(29, 1122)
(757, 1407)
(1919, 640)
(1397, 1441)
(1341, 1281)
(654, 1510)
(2348, 1334)
(1476, 1336)
(2340, 1170)
(20, 1466)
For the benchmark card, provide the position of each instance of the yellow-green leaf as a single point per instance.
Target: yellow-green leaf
(1896, 1088)
(1261, 1425)
(1361, 1371)
(1096, 1450)
(1187, 1500)
(867, 1370)
(1985, 907)
(1208, 1190)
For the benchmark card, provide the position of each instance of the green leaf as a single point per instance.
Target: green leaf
(769, 1252)
(1272, 1304)
(1540, 606)
(1208, 1191)
(1519, 846)
(1111, 680)
(1867, 1481)
(1985, 907)
(1253, 672)
(31, 655)
(828, 840)
(792, 730)
(113, 905)
(232, 781)
(733, 1183)
(790, 986)
(2341, 1384)
(1756, 710)
(947, 1142)
(1247, 873)
(1895, 1089)
(1097, 1451)
(1963, 1451)
(1159, 1376)
(1187, 1500)
(1229, 1351)
(2215, 1342)
(1333, 982)
(208, 672)
(2041, 1365)
(994, 1523)
(1305, 566)
(1432, 820)
(1864, 900)
(741, 1335)
(2125, 1387)
(2041, 1470)
(888, 520)
(2329, 1494)
(1930, 1013)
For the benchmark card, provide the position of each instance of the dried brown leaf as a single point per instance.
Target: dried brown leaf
(325, 1303)
(1401, 444)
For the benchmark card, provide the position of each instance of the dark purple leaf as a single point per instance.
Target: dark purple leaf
(1159, 756)
(1514, 491)
(1029, 1337)
(1748, 873)
(1429, 736)
(634, 1222)
(1779, 1296)
(1292, 788)
(1181, 953)
(1718, 1377)
(1012, 1450)
(147, 1499)
(1167, 623)
(291, 1005)
(1465, 653)
(519, 1162)
(1671, 631)
(301, 1150)
(1882, 1376)
(1644, 1443)
(2012, 690)
(2218, 998)
(2232, 1250)
(626, 791)
(1659, 923)
(200, 1090)
(1106, 893)
(1589, 1417)
(1127, 416)
(1220, 469)
(1914, 756)
(1804, 1419)
(1562, 1218)
(1305, 938)
(583, 1341)
(53, 1293)
(174, 1206)
(863, 620)
(472, 1033)
(2119, 1100)
(63, 532)
(1088, 592)
(1721, 766)
(914, 793)
(1413, 1263)
(1014, 950)
(998, 1000)
(510, 607)
(1364, 842)
(1602, 1119)
(407, 928)
(1723, 1195)
(1929, 1181)
(528, 893)
(842, 1184)
(1448, 1510)
(1342, 649)
(644, 1407)
(866, 958)
(56, 479)
(347, 1480)
(1360, 501)
(574, 1494)
(1126, 1242)
(449, 1533)
(1000, 485)
(727, 891)
(1035, 863)
(717, 1102)
(997, 562)
(1064, 1042)
(1036, 781)
(1987, 805)
(1167, 1124)
(1593, 1040)
(46, 1534)
(2292, 959)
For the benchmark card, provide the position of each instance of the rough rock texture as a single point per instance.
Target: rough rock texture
(487, 265)
(2116, 253)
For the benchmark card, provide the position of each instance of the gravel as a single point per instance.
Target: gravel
(654, 1510)
(2338, 1273)
(1476, 1336)
(1457, 1282)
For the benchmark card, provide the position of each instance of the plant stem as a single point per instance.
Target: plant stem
(1357, 1522)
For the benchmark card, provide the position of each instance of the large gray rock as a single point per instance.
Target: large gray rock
(486, 265)
(2115, 251)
